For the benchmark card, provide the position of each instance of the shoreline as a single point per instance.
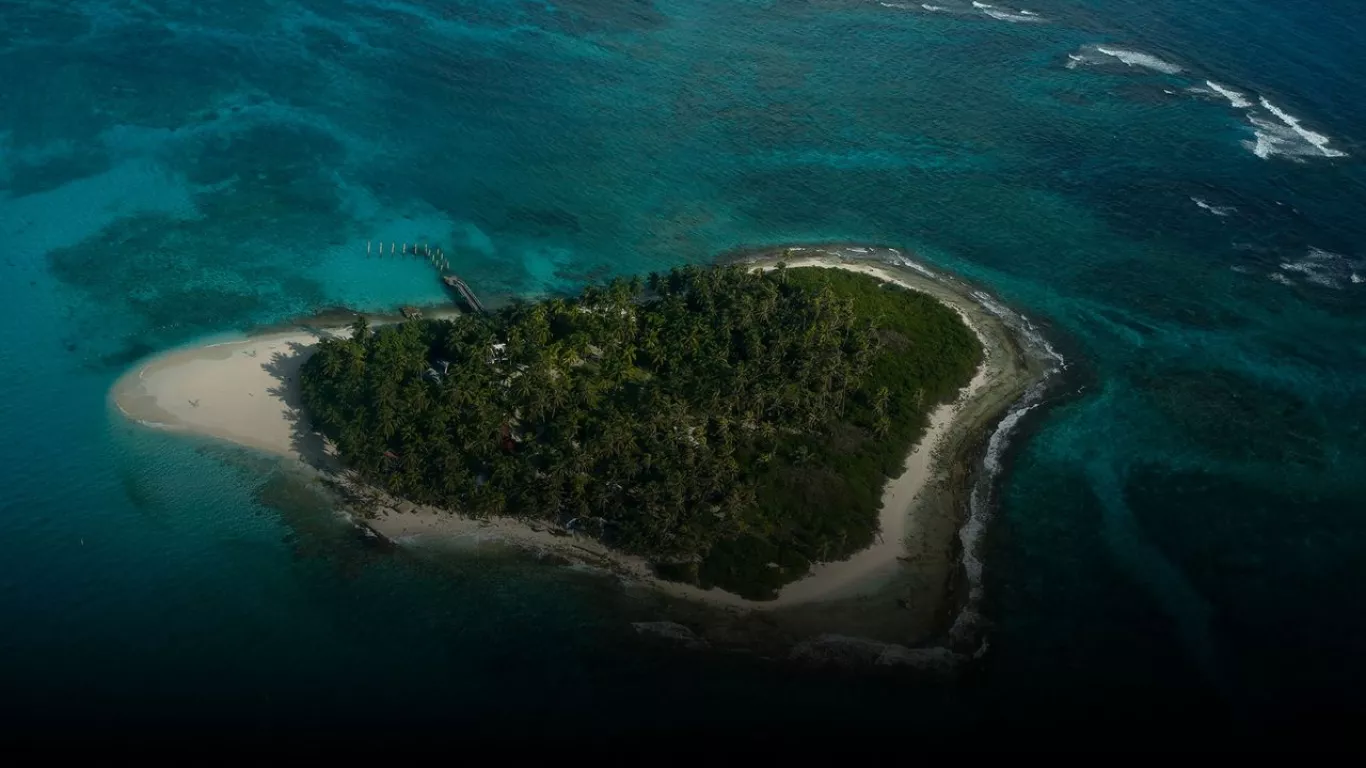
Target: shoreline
(245, 392)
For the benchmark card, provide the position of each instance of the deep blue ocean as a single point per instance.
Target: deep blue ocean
(1172, 189)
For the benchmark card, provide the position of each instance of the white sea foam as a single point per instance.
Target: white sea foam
(1310, 271)
(1107, 54)
(1139, 59)
(913, 265)
(1235, 98)
(1021, 324)
(1287, 136)
(1322, 268)
(1279, 278)
(987, 9)
(1277, 133)
(1014, 18)
(1274, 139)
(997, 445)
(934, 8)
(1217, 210)
(965, 624)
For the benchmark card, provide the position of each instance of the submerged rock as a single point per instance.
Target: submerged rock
(853, 652)
(670, 630)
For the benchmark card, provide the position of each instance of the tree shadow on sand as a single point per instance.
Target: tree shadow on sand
(284, 367)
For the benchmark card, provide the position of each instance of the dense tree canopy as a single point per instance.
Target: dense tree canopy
(733, 426)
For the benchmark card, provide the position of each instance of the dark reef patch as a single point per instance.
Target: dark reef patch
(1235, 418)
(158, 269)
(52, 172)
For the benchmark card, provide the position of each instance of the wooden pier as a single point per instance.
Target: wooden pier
(437, 259)
(464, 291)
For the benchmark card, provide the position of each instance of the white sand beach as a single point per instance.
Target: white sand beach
(247, 392)
(242, 391)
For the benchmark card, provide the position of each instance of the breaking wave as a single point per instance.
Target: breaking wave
(966, 625)
(1023, 17)
(1019, 17)
(1021, 324)
(1106, 54)
(1280, 133)
(1236, 99)
(916, 267)
(1276, 132)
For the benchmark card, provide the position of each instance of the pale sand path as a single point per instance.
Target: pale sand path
(247, 392)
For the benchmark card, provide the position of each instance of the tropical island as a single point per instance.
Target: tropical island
(766, 452)
(731, 426)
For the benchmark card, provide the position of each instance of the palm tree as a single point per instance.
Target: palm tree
(360, 329)
(880, 399)
(881, 426)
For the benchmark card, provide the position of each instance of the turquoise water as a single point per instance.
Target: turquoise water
(1179, 531)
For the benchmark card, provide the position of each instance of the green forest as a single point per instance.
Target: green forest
(732, 426)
